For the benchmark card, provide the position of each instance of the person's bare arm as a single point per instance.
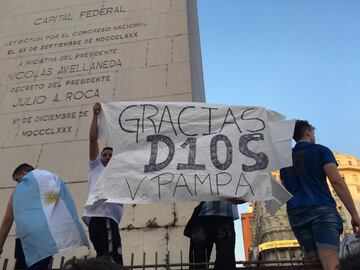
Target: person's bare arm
(93, 133)
(6, 223)
(344, 194)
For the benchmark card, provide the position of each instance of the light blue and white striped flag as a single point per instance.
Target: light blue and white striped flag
(45, 216)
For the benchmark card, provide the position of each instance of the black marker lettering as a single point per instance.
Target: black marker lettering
(191, 157)
(210, 120)
(153, 166)
(242, 177)
(261, 158)
(218, 178)
(179, 121)
(233, 121)
(255, 118)
(137, 189)
(148, 117)
(214, 152)
(183, 185)
(137, 120)
(158, 177)
(166, 110)
(202, 182)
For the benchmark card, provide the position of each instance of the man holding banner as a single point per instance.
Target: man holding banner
(54, 225)
(102, 218)
(184, 151)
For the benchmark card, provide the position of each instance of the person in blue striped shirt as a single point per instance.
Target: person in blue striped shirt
(213, 223)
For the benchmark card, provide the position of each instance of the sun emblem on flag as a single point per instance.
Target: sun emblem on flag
(51, 197)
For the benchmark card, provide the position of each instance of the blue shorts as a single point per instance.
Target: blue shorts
(316, 226)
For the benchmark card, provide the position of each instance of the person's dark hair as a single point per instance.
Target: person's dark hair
(99, 263)
(106, 148)
(21, 167)
(301, 127)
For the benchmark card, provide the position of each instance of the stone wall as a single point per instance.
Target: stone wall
(60, 57)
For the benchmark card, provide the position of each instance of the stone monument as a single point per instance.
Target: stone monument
(60, 57)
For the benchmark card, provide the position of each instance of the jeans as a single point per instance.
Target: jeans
(316, 226)
(105, 236)
(210, 230)
(20, 259)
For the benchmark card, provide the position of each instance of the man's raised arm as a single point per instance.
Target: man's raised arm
(93, 133)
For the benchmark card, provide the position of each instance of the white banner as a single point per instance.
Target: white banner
(172, 152)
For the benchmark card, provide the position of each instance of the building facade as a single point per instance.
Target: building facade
(248, 226)
(349, 168)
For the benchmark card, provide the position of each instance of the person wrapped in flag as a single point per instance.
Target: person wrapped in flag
(45, 217)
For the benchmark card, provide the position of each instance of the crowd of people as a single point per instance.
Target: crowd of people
(312, 212)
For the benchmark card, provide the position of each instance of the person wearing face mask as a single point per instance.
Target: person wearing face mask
(102, 218)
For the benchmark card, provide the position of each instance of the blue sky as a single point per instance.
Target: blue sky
(298, 57)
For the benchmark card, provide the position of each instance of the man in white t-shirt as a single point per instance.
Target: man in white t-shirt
(102, 218)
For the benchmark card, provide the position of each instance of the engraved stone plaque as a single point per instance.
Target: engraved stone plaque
(60, 57)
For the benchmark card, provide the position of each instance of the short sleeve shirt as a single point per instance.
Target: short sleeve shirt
(306, 179)
(109, 210)
(219, 208)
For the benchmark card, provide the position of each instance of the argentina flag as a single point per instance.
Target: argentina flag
(45, 216)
